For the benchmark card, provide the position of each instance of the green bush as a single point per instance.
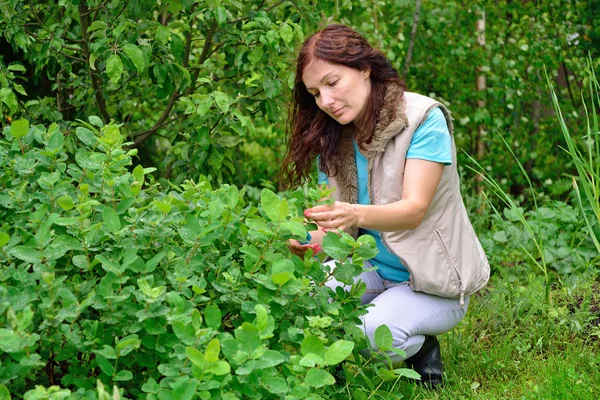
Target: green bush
(183, 293)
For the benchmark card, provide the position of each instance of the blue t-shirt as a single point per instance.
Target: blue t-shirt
(432, 142)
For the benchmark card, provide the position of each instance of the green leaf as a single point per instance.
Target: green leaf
(96, 121)
(359, 394)
(65, 202)
(16, 67)
(135, 54)
(295, 228)
(317, 378)
(11, 341)
(195, 357)
(212, 316)
(81, 261)
(218, 368)
(222, 100)
(247, 336)
(204, 105)
(286, 32)
(26, 254)
(334, 247)
(108, 352)
(233, 196)
(98, 24)
(383, 338)
(56, 141)
(275, 207)
(127, 344)
(408, 373)
(162, 206)
(19, 128)
(138, 173)
(312, 344)
(168, 369)
(4, 393)
(500, 236)
(262, 317)
(184, 388)
(154, 261)
(19, 89)
(185, 332)
(162, 34)
(67, 297)
(105, 365)
(229, 141)
(270, 359)
(114, 68)
(275, 385)
(213, 348)
(282, 271)
(338, 352)
(111, 219)
(86, 136)
(8, 97)
(123, 376)
(4, 239)
(312, 360)
(272, 87)
(368, 247)
(124, 205)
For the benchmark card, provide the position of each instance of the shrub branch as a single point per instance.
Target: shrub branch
(96, 84)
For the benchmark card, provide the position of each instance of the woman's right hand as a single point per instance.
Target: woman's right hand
(300, 249)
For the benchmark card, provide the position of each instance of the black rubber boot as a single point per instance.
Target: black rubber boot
(428, 363)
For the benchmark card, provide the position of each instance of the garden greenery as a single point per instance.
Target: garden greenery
(107, 279)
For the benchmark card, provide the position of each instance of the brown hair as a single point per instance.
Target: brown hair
(311, 132)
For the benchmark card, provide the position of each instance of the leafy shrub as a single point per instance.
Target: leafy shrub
(184, 293)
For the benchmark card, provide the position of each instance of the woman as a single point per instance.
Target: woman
(391, 158)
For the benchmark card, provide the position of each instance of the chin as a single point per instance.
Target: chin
(343, 120)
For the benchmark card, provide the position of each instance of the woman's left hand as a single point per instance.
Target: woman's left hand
(338, 215)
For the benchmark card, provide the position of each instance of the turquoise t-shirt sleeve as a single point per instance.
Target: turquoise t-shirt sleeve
(322, 178)
(431, 141)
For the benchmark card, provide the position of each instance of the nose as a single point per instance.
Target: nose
(326, 100)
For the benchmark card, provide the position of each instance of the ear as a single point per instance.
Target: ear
(366, 73)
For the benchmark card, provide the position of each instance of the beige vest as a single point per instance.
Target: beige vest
(443, 255)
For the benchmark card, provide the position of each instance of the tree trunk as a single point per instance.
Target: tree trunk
(481, 103)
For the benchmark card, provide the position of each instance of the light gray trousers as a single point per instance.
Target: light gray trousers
(409, 315)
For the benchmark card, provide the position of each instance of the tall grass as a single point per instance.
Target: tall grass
(586, 182)
(587, 162)
(533, 230)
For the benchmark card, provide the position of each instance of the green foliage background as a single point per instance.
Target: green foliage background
(138, 136)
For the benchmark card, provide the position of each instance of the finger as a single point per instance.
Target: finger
(322, 216)
(298, 246)
(329, 225)
(317, 209)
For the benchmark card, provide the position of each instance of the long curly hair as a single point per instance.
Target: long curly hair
(311, 132)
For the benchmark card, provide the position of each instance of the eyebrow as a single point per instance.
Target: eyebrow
(322, 80)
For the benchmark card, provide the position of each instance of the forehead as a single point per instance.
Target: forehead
(316, 70)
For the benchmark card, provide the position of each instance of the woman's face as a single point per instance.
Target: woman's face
(340, 91)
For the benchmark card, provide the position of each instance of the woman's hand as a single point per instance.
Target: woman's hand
(338, 215)
(300, 249)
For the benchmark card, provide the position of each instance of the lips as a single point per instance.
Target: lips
(338, 111)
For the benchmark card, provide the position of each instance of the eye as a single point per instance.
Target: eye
(333, 83)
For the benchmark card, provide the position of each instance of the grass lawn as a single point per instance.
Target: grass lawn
(515, 345)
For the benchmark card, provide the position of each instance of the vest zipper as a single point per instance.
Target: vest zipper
(447, 253)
